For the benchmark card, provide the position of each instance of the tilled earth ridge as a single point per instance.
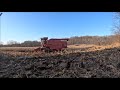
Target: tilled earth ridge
(96, 64)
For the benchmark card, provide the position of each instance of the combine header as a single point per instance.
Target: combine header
(52, 45)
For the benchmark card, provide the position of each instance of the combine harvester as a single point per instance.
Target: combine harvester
(52, 45)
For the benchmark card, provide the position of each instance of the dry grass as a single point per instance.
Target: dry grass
(17, 48)
(92, 47)
(28, 51)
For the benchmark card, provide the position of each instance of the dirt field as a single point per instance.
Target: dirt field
(78, 61)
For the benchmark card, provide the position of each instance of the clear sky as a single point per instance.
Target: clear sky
(22, 26)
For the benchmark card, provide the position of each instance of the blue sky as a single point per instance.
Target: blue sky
(22, 26)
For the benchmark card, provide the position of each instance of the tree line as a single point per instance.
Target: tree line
(23, 44)
(97, 40)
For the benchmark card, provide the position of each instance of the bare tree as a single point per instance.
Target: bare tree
(117, 24)
(11, 42)
(30, 43)
(1, 43)
(116, 28)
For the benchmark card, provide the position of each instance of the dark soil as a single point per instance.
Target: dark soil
(98, 64)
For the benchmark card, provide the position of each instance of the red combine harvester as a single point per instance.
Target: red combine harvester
(52, 44)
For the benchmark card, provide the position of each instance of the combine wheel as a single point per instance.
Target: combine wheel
(63, 50)
(47, 50)
(54, 50)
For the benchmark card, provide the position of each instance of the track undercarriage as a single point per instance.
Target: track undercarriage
(47, 50)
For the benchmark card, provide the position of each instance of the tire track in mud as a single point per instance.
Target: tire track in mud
(95, 64)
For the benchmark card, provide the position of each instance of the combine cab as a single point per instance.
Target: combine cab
(52, 44)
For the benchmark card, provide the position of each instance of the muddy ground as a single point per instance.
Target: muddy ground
(93, 64)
